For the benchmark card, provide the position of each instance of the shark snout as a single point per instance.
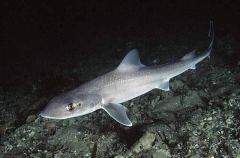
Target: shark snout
(53, 111)
(47, 113)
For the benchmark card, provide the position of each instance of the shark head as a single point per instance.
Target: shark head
(67, 106)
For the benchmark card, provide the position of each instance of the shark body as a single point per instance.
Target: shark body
(129, 80)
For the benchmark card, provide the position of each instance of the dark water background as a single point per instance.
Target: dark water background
(37, 37)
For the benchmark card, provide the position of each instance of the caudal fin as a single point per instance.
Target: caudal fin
(211, 34)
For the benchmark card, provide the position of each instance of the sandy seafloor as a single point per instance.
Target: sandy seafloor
(198, 118)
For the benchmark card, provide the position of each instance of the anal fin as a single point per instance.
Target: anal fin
(193, 67)
(164, 86)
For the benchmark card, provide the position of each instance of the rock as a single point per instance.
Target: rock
(118, 156)
(37, 136)
(161, 154)
(69, 138)
(144, 143)
(65, 122)
(173, 104)
(31, 118)
(50, 124)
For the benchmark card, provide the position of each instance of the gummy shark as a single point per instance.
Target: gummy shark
(129, 80)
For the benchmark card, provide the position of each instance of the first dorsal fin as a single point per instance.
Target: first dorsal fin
(130, 62)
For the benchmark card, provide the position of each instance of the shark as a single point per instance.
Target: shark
(129, 80)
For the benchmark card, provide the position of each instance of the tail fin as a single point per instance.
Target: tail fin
(211, 34)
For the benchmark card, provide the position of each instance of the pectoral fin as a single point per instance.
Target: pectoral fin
(118, 113)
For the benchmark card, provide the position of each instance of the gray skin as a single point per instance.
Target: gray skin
(129, 80)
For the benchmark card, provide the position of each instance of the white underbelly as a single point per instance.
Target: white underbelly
(132, 90)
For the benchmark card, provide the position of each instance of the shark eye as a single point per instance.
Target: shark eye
(71, 106)
(80, 104)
